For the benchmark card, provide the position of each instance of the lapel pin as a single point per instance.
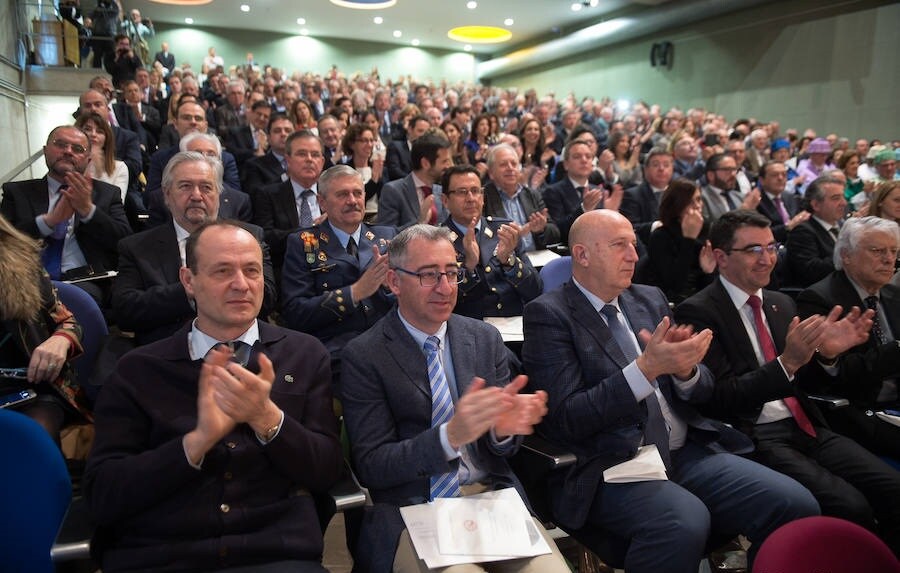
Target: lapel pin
(370, 235)
(288, 378)
(488, 232)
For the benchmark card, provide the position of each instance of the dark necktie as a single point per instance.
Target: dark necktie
(240, 351)
(769, 354)
(580, 191)
(655, 431)
(877, 331)
(51, 257)
(834, 233)
(352, 250)
(727, 196)
(306, 218)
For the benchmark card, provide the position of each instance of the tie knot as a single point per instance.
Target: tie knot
(306, 193)
(426, 190)
(872, 302)
(240, 350)
(432, 344)
(610, 311)
(755, 302)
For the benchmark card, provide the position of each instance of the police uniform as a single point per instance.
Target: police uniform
(494, 288)
(317, 275)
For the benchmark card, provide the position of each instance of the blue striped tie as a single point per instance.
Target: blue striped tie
(443, 485)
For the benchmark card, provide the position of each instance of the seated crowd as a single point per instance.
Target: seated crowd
(282, 241)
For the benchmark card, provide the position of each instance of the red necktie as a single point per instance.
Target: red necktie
(426, 192)
(770, 354)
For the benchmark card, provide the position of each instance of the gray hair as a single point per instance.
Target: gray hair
(816, 191)
(493, 151)
(185, 141)
(400, 243)
(330, 175)
(854, 229)
(191, 157)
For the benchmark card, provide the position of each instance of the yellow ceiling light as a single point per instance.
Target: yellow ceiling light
(183, 2)
(479, 34)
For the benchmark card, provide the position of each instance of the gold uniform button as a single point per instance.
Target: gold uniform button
(228, 475)
(493, 289)
(487, 269)
(231, 445)
(342, 308)
(324, 285)
(519, 275)
(499, 305)
(224, 508)
(340, 299)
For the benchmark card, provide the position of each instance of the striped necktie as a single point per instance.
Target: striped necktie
(442, 485)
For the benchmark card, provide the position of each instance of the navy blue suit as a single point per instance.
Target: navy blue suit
(570, 352)
(810, 253)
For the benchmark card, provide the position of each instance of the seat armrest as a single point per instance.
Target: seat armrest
(551, 454)
(347, 493)
(829, 402)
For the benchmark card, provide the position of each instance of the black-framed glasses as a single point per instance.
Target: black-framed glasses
(758, 250)
(432, 278)
(76, 148)
(474, 191)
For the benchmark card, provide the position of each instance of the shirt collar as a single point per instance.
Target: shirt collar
(199, 343)
(514, 196)
(738, 297)
(576, 185)
(344, 237)
(825, 224)
(463, 230)
(298, 189)
(596, 302)
(418, 182)
(181, 234)
(420, 336)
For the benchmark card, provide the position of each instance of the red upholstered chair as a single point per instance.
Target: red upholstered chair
(823, 545)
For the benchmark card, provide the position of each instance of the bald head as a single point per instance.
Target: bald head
(604, 256)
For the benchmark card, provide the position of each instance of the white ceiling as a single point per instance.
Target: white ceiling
(426, 20)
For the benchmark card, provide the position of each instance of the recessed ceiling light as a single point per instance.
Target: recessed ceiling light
(188, 20)
(467, 48)
(301, 21)
(415, 42)
(304, 32)
(576, 6)
(480, 34)
(508, 22)
(471, 5)
(397, 33)
(245, 8)
(378, 19)
(364, 4)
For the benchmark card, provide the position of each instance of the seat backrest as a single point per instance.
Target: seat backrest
(815, 544)
(93, 325)
(556, 272)
(35, 493)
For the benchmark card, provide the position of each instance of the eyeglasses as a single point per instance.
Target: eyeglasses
(758, 250)
(76, 148)
(474, 191)
(432, 278)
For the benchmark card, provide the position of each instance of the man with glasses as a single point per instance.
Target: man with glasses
(271, 167)
(79, 218)
(810, 245)
(721, 194)
(498, 280)
(759, 356)
(428, 409)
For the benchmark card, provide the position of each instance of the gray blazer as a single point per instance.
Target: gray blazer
(398, 205)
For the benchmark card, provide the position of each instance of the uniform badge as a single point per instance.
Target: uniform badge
(370, 235)
(323, 237)
(488, 232)
(322, 256)
(288, 378)
(310, 243)
(310, 258)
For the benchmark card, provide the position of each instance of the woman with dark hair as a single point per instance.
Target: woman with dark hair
(302, 116)
(849, 164)
(38, 336)
(626, 152)
(535, 150)
(103, 166)
(357, 145)
(679, 259)
(457, 147)
(478, 143)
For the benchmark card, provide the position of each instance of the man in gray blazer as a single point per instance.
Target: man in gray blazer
(426, 402)
(721, 193)
(417, 197)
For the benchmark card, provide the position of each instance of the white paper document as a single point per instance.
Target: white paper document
(647, 465)
(510, 327)
(541, 258)
(491, 526)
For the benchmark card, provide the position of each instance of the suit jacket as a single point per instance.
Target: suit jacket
(144, 411)
(810, 253)
(275, 210)
(97, 238)
(767, 207)
(492, 290)
(861, 369)
(564, 206)
(232, 205)
(571, 353)
(398, 205)
(386, 397)
(316, 283)
(148, 296)
(713, 205)
(151, 124)
(126, 117)
(742, 385)
(227, 117)
(167, 60)
(641, 207)
(239, 141)
(398, 162)
(159, 160)
(259, 171)
(128, 151)
(531, 201)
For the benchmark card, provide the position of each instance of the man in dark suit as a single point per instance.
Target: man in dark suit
(79, 219)
(416, 198)
(810, 245)
(426, 402)
(399, 161)
(250, 140)
(282, 208)
(506, 198)
(165, 57)
(781, 208)
(757, 355)
(147, 116)
(567, 199)
(640, 204)
(616, 391)
(123, 62)
(147, 296)
(867, 374)
(499, 277)
(271, 167)
(330, 135)
(234, 112)
(334, 271)
(223, 429)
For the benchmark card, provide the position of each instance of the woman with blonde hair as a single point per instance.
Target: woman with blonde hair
(103, 166)
(38, 336)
